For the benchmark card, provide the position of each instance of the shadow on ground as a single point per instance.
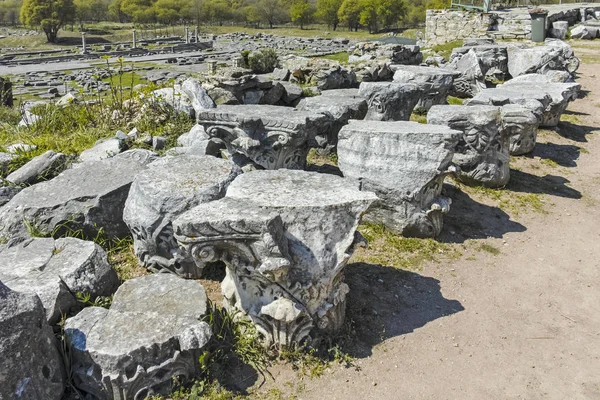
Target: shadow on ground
(549, 184)
(574, 132)
(470, 219)
(385, 302)
(564, 155)
(76, 41)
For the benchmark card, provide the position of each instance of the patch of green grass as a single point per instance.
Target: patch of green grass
(456, 101)
(100, 301)
(550, 163)
(124, 261)
(129, 79)
(583, 150)
(341, 57)
(488, 248)
(570, 118)
(445, 49)
(308, 92)
(508, 201)
(389, 249)
(415, 117)
(517, 203)
(315, 158)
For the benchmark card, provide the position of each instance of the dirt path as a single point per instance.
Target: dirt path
(520, 324)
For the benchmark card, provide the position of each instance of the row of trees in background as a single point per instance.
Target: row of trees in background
(373, 15)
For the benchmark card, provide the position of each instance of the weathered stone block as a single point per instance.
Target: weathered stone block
(42, 167)
(341, 106)
(483, 150)
(521, 125)
(56, 271)
(32, 367)
(390, 101)
(434, 83)
(285, 237)
(90, 197)
(162, 192)
(471, 79)
(150, 335)
(404, 163)
(272, 137)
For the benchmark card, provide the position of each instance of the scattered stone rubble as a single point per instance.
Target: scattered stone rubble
(234, 192)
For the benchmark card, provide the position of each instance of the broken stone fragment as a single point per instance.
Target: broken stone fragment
(482, 152)
(561, 95)
(404, 163)
(271, 137)
(470, 79)
(90, 197)
(390, 101)
(434, 83)
(342, 105)
(158, 195)
(285, 237)
(32, 367)
(42, 167)
(57, 270)
(150, 336)
(521, 125)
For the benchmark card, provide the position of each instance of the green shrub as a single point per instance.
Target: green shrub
(264, 61)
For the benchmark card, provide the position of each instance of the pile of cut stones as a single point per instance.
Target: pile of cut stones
(236, 191)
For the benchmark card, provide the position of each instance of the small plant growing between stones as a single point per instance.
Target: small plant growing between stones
(263, 61)
(99, 301)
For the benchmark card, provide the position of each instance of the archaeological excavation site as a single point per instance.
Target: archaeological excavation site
(299, 200)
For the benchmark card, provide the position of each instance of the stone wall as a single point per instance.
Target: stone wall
(442, 26)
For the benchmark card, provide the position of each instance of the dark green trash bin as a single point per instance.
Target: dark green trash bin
(538, 26)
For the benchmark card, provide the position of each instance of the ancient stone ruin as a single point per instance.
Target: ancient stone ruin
(404, 163)
(237, 194)
(285, 237)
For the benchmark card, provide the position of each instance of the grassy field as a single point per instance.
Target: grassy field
(110, 33)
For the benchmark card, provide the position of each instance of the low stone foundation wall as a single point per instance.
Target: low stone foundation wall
(442, 26)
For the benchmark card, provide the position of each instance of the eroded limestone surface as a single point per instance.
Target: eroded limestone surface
(390, 101)
(159, 194)
(404, 163)
(150, 335)
(272, 137)
(483, 150)
(285, 237)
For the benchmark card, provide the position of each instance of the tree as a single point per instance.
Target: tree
(368, 15)
(171, 11)
(349, 13)
(82, 11)
(390, 12)
(138, 11)
(327, 12)
(271, 11)
(50, 15)
(301, 12)
(115, 11)
(217, 11)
